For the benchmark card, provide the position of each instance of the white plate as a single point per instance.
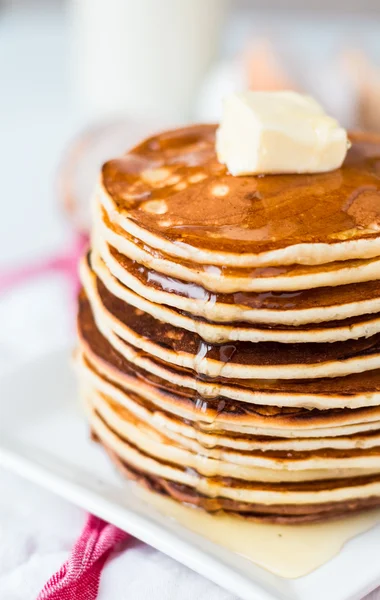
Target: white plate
(44, 437)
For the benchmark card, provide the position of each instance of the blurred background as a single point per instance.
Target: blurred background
(82, 80)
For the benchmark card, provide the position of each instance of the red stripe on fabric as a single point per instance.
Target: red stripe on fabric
(79, 576)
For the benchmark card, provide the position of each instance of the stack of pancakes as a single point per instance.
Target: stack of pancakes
(229, 328)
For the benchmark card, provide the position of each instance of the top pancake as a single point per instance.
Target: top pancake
(171, 193)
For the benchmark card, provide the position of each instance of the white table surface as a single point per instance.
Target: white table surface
(37, 528)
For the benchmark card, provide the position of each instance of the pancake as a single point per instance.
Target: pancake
(274, 308)
(250, 221)
(272, 465)
(233, 279)
(281, 493)
(189, 432)
(232, 423)
(352, 392)
(240, 360)
(280, 514)
(216, 333)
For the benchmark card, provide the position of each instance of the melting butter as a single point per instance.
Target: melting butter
(278, 132)
(290, 551)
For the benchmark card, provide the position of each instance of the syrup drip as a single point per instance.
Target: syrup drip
(268, 300)
(208, 407)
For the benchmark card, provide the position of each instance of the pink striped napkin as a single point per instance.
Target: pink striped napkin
(79, 576)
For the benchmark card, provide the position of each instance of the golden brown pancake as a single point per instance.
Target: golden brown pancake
(226, 279)
(273, 308)
(262, 513)
(106, 360)
(149, 406)
(171, 187)
(251, 465)
(240, 360)
(331, 331)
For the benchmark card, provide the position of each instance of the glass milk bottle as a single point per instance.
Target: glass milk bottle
(144, 58)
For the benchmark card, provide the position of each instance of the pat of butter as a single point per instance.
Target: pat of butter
(278, 132)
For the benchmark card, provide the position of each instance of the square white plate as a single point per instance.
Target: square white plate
(44, 437)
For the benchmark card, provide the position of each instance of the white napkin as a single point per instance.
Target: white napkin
(37, 530)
